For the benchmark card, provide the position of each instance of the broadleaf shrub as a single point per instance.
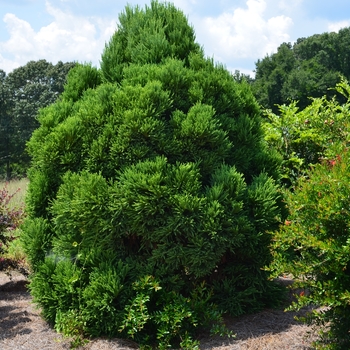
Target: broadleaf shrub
(309, 136)
(151, 191)
(313, 244)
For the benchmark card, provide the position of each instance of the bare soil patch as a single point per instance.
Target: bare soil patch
(21, 327)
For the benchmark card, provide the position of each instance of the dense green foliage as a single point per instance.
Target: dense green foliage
(314, 245)
(309, 136)
(151, 191)
(303, 70)
(147, 37)
(22, 93)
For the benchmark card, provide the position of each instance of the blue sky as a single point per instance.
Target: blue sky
(234, 32)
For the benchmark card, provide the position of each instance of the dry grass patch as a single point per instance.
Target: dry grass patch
(19, 187)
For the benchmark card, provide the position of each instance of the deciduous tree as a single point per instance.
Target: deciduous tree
(23, 92)
(303, 70)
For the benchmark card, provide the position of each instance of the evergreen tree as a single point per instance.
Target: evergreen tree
(151, 191)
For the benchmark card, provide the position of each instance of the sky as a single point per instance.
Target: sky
(235, 33)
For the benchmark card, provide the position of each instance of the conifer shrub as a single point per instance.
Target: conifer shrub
(151, 191)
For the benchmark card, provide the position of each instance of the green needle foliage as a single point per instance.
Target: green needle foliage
(151, 191)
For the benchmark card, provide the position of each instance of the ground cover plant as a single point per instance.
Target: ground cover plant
(151, 191)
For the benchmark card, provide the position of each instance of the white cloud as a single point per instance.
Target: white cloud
(335, 26)
(290, 5)
(242, 70)
(185, 5)
(8, 65)
(244, 32)
(66, 38)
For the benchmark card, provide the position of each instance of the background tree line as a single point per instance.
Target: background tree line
(22, 93)
(308, 68)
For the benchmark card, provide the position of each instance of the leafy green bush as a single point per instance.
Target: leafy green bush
(314, 246)
(15, 250)
(309, 136)
(151, 191)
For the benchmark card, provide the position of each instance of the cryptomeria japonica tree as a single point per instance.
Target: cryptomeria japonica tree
(151, 191)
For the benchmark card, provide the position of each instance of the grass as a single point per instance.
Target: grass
(16, 185)
(15, 251)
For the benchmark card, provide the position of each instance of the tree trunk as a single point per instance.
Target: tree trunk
(8, 169)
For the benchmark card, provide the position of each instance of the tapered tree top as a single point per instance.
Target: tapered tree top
(148, 35)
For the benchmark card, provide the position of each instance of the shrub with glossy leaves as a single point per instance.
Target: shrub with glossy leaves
(310, 136)
(314, 246)
(151, 191)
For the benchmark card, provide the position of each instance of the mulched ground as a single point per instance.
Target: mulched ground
(21, 327)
